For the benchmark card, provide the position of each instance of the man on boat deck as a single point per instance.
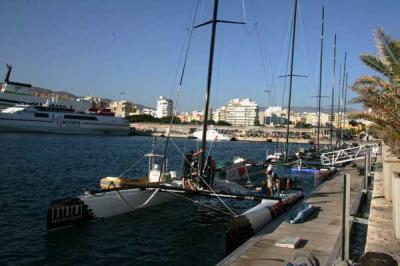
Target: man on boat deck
(269, 176)
(189, 170)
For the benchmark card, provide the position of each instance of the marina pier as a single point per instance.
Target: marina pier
(322, 235)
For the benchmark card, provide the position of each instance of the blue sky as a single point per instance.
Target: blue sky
(106, 47)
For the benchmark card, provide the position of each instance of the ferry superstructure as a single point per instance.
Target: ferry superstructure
(12, 93)
(56, 119)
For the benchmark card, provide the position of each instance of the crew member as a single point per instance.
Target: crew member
(189, 171)
(269, 176)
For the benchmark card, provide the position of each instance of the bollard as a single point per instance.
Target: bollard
(345, 218)
(396, 203)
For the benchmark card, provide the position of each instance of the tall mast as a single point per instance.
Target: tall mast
(333, 88)
(338, 110)
(343, 85)
(345, 101)
(320, 78)
(291, 79)
(213, 23)
(208, 90)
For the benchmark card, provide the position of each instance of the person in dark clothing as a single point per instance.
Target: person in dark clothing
(189, 170)
(209, 172)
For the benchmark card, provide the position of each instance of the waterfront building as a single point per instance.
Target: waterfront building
(185, 117)
(97, 102)
(275, 115)
(149, 111)
(242, 112)
(261, 118)
(220, 114)
(274, 119)
(165, 107)
(122, 108)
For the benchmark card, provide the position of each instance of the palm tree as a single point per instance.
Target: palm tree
(381, 93)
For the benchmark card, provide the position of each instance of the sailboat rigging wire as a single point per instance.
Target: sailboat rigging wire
(198, 174)
(199, 203)
(184, 150)
(130, 167)
(245, 20)
(265, 57)
(208, 154)
(287, 62)
(178, 90)
(150, 198)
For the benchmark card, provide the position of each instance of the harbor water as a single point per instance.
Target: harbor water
(38, 168)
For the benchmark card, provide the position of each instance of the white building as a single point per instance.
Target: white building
(220, 114)
(242, 112)
(165, 107)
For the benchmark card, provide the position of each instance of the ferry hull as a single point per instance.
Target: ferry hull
(10, 124)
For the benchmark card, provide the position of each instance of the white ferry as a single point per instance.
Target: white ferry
(12, 93)
(50, 118)
(212, 135)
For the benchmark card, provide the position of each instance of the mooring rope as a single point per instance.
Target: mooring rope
(201, 204)
(212, 190)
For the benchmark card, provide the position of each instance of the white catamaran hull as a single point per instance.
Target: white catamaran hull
(88, 207)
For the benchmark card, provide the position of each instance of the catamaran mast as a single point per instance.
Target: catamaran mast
(345, 101)
(333, 88)
(343, 85)
(213, 23)
(209, 79)
(291, 79)
(320, 78)
(338, 106)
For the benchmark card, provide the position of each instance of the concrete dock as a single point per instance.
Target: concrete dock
(380, 236)
(321, 236)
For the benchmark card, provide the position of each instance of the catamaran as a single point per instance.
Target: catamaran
(118, 195)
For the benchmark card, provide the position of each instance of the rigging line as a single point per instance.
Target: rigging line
(307, 50)
(181, 54)
(199, 203)
(265, 55)
(178, 91)
(130, 167)
(265, 43)
(281, 54)
(286, 71)
(209, 187)
(208, 154)
(245, 20)
(184, 149)
(188, 46)
(262, 60)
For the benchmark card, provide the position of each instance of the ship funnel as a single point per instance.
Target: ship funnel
(7, 78)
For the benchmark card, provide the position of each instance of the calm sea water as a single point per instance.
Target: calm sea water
(38, 168)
